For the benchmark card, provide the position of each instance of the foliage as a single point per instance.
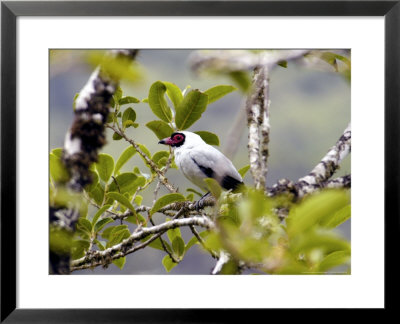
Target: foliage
(252, 233)
(247, 226)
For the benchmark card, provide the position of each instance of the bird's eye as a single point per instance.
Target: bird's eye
(178, 138)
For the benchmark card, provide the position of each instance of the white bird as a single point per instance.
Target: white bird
(197, 160)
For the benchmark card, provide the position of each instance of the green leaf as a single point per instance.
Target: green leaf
(58, 172)
(129, 123)
(129, 114)
(145, 100)
(125, 182)
(78, 248)
(242, 80)
(97, 193)
(120, 262)
(101, 223)
(168, 263)
(174, 93)
(116, 137)
(159, 156)
(214, 187)
(112, 104)
(117, 94)
(105, 166)
(146, 151)
(319, 207)
(85, 225)
(190, 109)
(334, 259)
(338, 218)
(194, 191)
(99, 213)
(194, 240)
(138, 200)
(117, 235)
(160, 128)
(57, 151)
(117, 67)
(218, 92)
(136, 219)
(128, 100)
(173, 233)
(124, 157)
(208, 137)
(156, 244)
(74, 101)
(165, 200)
(244, 170)
(157, 101)
(282, 64)
(178, 245)
(106, 233)
(95, 180)
(100, 244)
(122, 200)
(326, 241)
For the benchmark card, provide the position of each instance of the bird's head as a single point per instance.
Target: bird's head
(178, 139)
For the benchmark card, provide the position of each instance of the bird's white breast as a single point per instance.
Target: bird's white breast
(189, 169)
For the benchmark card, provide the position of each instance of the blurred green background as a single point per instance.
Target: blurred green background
(309, 111)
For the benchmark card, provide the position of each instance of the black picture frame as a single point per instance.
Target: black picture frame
(10, 10)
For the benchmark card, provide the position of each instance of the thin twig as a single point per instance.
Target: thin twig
(127, 246)
(152, 165)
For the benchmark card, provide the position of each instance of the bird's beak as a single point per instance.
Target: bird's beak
(166, 141)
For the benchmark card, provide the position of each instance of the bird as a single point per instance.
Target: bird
(198, 160)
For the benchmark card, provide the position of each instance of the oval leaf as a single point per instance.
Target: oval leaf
(128, 100)
(58, 171)
(334, 259)
(218, 92)
(165, 200)
(174, 93)
(120, 262)
(84, 225)
(191, 109)
(160, 128)
(320, 207)
(340, 217)
(168, 263)
(124, 157)
(122, 200)
(105, 166)
(208, 137)
(214, 187)
(101, 223)
(95, 180)
(159, 156)
(99, 213)
(244, 170)
(125, 182)
(178, 245)
(157, 101)
(129, 114)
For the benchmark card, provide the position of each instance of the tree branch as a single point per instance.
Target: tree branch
(152, 165)
(82, 142)
(240, 60)
(319, 177)
(258, 123)
(328, 165)
(127, 246)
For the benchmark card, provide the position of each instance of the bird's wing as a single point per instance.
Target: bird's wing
(214, 164)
